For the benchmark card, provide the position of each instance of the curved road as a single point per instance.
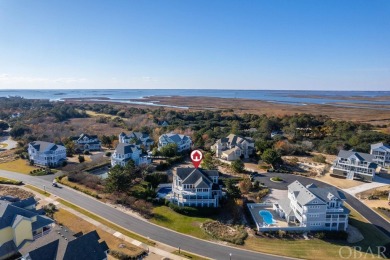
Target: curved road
(187, 243)
(371, 216)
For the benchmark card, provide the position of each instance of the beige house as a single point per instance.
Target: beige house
(234, 147)
(20, 224)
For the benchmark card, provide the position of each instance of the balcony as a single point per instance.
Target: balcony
(41, 234)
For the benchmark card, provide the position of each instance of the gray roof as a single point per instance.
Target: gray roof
(25, 203)
(136, 135)
(235, 139)
(381, 146)
(122, 148)
(46, 252)
(198, 177)
(285, 206)
(42, 221)
(84, 135)
(361, 156)
(86, 247)
(305, 195)
(42, 146)
(177, 138)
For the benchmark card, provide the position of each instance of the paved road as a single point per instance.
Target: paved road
(144, 228)
(371, 216)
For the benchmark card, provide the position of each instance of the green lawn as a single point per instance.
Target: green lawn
(168, 218)
(45, 193)
(188, 255)
(107, 223)
(9, 181)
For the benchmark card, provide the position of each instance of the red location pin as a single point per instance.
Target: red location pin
(196, 157)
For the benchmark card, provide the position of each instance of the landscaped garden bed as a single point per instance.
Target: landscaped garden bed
(232, 234)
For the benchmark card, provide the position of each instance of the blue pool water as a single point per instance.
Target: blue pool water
(163, 192)
(267, 216)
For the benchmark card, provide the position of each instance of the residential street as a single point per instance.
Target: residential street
(187, 243)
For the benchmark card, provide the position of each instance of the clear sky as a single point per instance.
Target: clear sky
(243, 44)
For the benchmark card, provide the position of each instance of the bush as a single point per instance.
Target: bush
(108, 154)
(81, 159)
(319, 158)
(235, 235)
(122, 256)
(194, 212)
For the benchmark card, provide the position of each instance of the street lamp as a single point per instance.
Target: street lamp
(230, 256)
(44, 188)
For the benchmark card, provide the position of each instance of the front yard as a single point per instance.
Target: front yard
(18, 165)
(166, 217)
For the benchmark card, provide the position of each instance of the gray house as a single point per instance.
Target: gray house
(232, 147)
(86, 142)
(314, 208)
(381, 153)
(351, 164)
(136, 138)
(196, 187)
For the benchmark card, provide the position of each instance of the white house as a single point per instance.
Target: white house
(195, 187)
(125, 152)
(137, 138)
(183, 142)
(314, 208)
(46, 154)
(86, 142)
(233, 147)
(351, 164)
(381, 153)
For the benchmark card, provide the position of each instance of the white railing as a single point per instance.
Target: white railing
(41, 234)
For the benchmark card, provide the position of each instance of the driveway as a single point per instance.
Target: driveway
(379, 182)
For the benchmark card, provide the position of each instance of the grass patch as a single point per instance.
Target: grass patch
(18, 165)
(79, 187)
(9, 181)
(276, 179)
(188, 255)
(166, 217)
(77, 224)
(107, 223)
(45, 193)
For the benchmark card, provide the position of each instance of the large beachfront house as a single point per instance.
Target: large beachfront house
(136, 138)
(20, 223)
(314, 208)
(183, 142)
(125, 152)
(233, 147)
(196, 188)
(86, 142)
(46, 154)
(381, 153)
(351, 164)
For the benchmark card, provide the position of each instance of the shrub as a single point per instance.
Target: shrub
(108, 154)
(319, 158)
(81, 158)
(235, 235)
(87, 152)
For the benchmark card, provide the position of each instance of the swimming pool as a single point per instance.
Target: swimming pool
(163, 192)
(267, 217)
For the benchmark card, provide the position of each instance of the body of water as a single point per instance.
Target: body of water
(293, 97)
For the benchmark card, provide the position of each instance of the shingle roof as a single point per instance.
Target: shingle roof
(25, 203)
(8, 248)
(42, 221)
(199, 178)
(177, 138)
(46, 252)
(235, 139)
(302, 194)
(361, 156)
(86, 247)
(381, 146)
(42, 146)
(8, 213)
(126, 148)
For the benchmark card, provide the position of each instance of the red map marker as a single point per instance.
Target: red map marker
(196, 157)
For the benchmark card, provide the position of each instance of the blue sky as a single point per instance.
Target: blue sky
(273, 44)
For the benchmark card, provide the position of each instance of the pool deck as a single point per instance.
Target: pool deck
(256, 207)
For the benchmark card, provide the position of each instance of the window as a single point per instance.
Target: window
(315, 224)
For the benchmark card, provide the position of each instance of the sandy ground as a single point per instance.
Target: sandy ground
(341, 183)
(10, 143)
